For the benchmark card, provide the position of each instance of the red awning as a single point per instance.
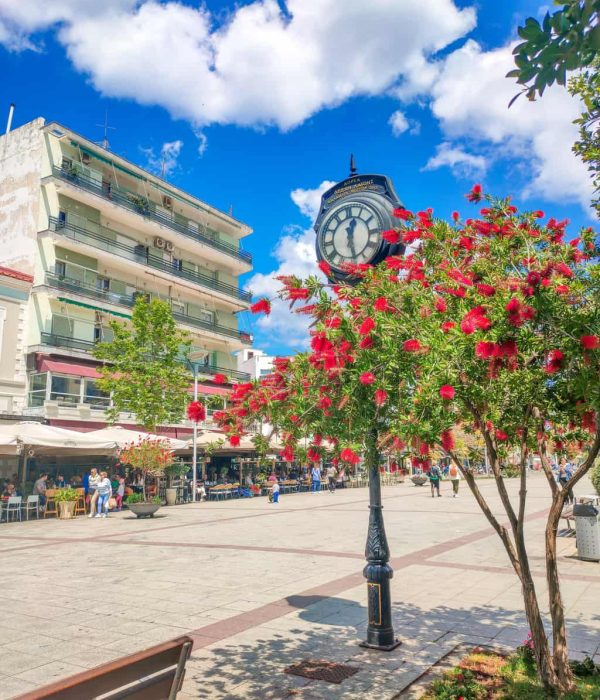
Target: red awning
(212, 390)
(68, 368)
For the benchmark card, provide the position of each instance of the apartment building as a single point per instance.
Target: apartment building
(255, 362)
(96, 231)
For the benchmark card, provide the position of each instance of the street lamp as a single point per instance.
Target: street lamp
(194, 366)
(378, 572)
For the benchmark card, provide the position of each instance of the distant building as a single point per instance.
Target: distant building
(255, 362)
(14, 299)
(89, 232)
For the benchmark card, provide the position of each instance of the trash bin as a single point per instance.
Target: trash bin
(587, 527)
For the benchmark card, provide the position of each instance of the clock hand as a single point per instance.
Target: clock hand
(350, 234)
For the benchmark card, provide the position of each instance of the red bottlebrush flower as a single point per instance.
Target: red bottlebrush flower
(287, 454)
(440, 305)
(381, 304)
(220, 379)
(262, 306)
(412, 345)
(508, 348)
(485, 290)
(501, 435)
(348, 455)
(447, 440)
(588, 421)
(554, 361)
(485, 350)
(466, 243)
(324, 402)
(196, 411)
(455, 216)
(367, 378)
(366, 326)
(513, 306)
(590, 342)
(424, 449)
(534, 278)
(391, 236)
(475, 195)
(447, 326)
(561, 289)
(398, 444)
(234, 440)
(447, 392)
(403, 214)
(563, 269)
(474, 319)
(539, 214)
(409, 237)
(296, 293)
(333, 322)
(380, 397)
(355, 303)
(313, 455)
(325, 268)
(317, 439)
(366, 343)
(527, 313)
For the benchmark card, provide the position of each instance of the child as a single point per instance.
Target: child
(120, 493)
(275, 492)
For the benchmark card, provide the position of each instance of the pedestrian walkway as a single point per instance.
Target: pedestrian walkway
(260, 587)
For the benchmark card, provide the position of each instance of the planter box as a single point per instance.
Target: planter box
(419, 479)
(144, 510)
(66, 510)
(171, 496)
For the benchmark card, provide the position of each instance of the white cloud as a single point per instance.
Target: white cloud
(202, 142)
(470, 99)
(261, 67)
(461, 163)
(309, 201)
(399, 123)
(295, 255)
(166, 162)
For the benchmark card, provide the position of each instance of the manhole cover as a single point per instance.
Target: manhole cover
(320, 670)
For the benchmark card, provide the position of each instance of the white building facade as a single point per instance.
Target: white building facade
(94, 231)
(255, 362)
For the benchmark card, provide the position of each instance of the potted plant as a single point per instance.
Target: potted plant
(141, 507)
(66, 499)
(152, 458)
(419, 479)
(172, 472)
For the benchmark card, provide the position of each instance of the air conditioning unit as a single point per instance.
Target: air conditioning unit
(169, 246)
(167, 202)
(159, 242)
(86, 158)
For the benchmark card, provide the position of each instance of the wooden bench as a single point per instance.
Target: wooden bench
(153, 674)
(567, 515)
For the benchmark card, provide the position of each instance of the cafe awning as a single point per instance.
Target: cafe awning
(69, 368)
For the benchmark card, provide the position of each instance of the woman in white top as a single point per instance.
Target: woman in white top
(454, 476)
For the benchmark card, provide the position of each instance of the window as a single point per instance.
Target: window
(97, 334)
(62, 219)
(178, 307)
(65, 390)
(60, 268)
(94, 397)
(103, 284)
(37, 389)
(177, 264)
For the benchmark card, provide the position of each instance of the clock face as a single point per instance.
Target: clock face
(350, 233)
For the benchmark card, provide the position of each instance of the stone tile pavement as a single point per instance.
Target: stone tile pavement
(260, 586)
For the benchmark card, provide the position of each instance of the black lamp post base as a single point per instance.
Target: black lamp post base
(381, 647)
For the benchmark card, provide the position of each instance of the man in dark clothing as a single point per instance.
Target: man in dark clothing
(435, 476)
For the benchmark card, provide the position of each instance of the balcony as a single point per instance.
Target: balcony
(100, 242)
(75, 286)
(140, 205)
(62, 341)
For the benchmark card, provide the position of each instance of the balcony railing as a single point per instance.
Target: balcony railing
(100, 242)
(82, 289)
(140, 205)
(62, 341)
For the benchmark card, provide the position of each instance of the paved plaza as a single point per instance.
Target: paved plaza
(259, 586)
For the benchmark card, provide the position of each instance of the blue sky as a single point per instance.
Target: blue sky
(270, 98)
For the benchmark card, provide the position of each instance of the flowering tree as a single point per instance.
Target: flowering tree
(150, 456)
(488, 325)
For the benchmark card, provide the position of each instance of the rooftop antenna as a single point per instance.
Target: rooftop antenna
(104, 143)
(352, 165)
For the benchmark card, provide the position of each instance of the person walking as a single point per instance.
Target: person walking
(120, 493)
(565, 472)
(331, 478)
(315, 475)
(103, 492)
(275, 492)
(435, 476)
(93, 481)
(454, 474)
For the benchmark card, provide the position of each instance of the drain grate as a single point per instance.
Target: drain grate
(320, 670)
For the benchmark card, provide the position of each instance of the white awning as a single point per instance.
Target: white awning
(124, 436)
(38, 435)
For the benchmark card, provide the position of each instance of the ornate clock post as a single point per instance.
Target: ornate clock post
(353, 215)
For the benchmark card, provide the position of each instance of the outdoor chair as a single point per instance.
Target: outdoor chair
(80, 508)
(13, 506)
(32, 503)
(51, 505)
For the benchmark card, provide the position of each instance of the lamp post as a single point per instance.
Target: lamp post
(378, 572)
(195, 438)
